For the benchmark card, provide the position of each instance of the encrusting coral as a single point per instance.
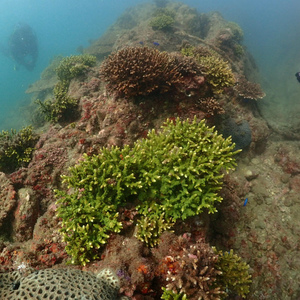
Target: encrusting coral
(175, 173)
(140, 71)
(248, 90)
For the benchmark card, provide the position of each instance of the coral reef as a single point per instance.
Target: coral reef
(16, 148)
(135, 71)
(30, 222)
(59, 284)
(181, 180)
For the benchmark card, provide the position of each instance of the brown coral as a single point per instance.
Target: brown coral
(135, 71)
(190, 270)
(248, 90)
(211, 106)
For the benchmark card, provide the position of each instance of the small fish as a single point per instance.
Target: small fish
(141, 42)
(298, 76)
(245, 202)
(155, 43)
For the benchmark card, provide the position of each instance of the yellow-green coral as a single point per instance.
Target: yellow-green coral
(235, 277)
(16, 148)
(152, 224)
(170, 295)
(217, 72)
(73, 66)
(62, 105)
(175, 173)
(163, 19)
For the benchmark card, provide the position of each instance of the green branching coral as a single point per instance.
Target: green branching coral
(170, 295)
(16, 148)
(235, 277)
(217, 72)
(162, 22)
(163, 19)
(64, 105)
(74, 66)
(171, 175)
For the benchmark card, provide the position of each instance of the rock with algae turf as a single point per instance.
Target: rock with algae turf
(59, 284)
(170, 176)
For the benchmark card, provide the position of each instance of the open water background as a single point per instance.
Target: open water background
(272, 35)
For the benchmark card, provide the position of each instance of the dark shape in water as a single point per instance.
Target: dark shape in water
(23, 46)
(298, 76)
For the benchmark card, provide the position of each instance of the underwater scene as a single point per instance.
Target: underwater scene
(150, 149)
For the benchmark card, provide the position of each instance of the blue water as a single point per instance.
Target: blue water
(272, 31)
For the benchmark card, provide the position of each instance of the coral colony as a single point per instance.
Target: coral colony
(122, 180)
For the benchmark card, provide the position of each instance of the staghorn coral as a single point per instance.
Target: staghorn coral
(175, 173)
(16, 148)
(60, 284)
(248, 90)
(135, 71)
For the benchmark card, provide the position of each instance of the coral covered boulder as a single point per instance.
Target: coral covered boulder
(59, 284)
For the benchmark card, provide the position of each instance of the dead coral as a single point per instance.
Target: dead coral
(248, 90)
(135, 71)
